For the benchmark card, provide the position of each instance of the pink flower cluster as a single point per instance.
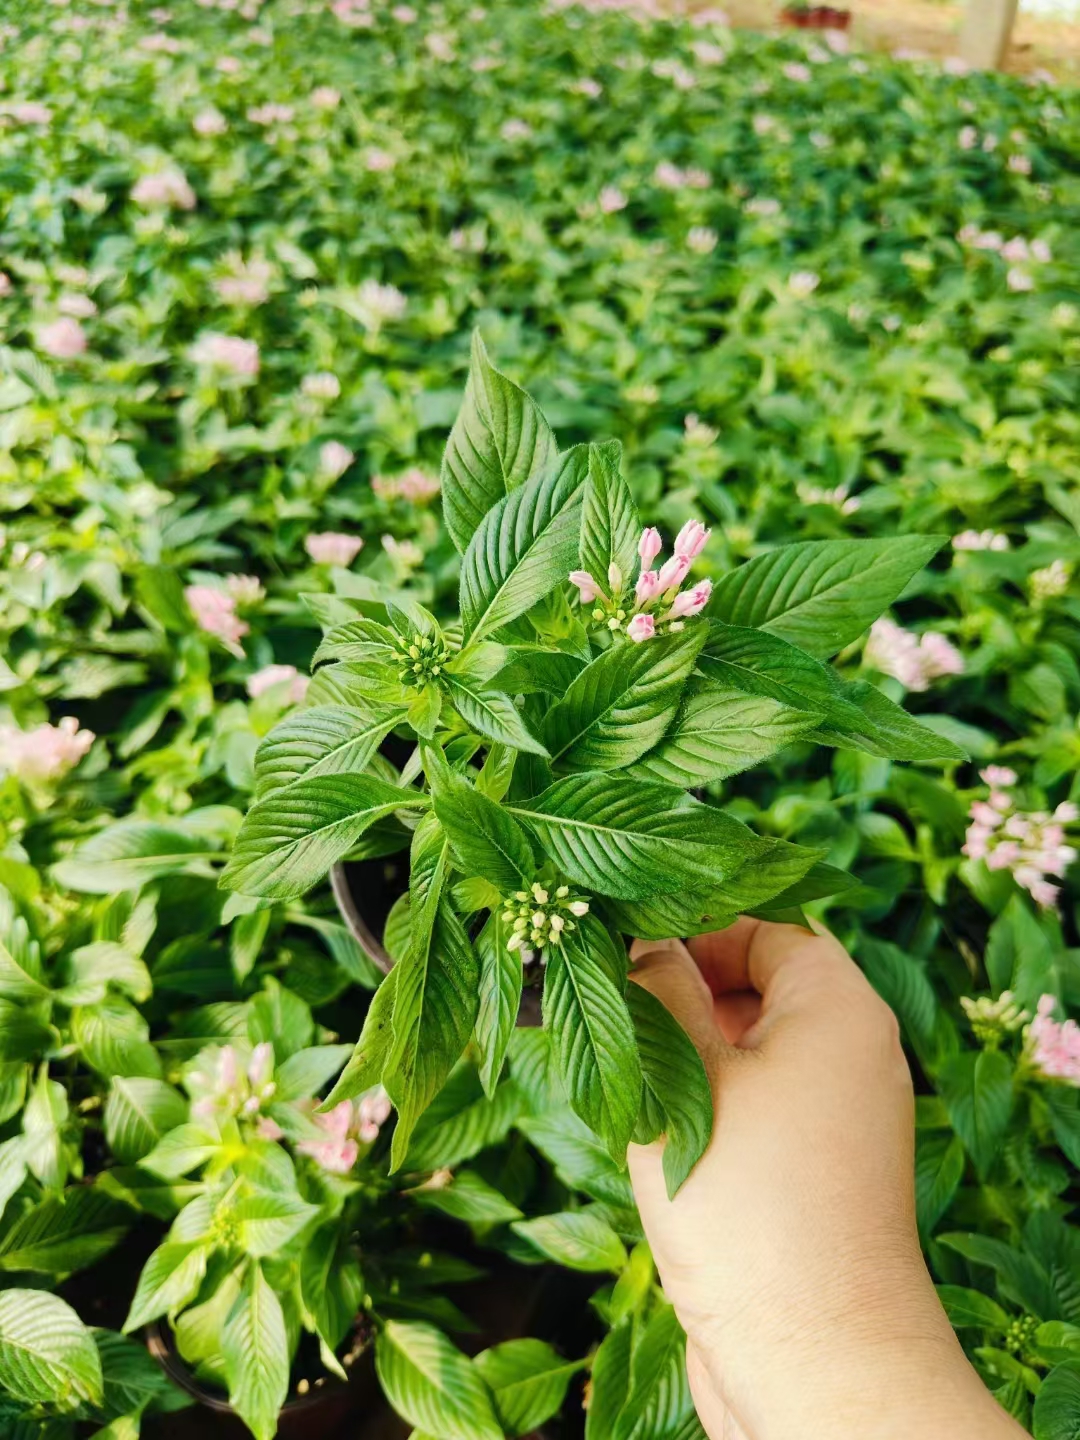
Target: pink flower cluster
(671, 177)
(414, 484)
(215, 612)
(64, 339)
(980, 540)
(334, 459)
(1054, 1046)
(36, 756)
(914, 660)
(347, 1127)
(321, 385)
(246, 283)
(230, 354)
(163, 190)
(658, 599)
(226, 1082)
(333, 548)
(273, 675)
(1029, 843)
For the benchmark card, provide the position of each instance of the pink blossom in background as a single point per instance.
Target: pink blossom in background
(968, 137)
(378, 160)
(1015, 250)
(331, 547)
(230, 1081)
(1031, 844)
(325, 97)
(405, 553)
(1053, 1046)
(1019, 164)
(404, 14)
(272, 675)
(914, 660)
(81, 306)
(246, 283)
(837, 496)
(209, 122)
(271, 113)
(695, 178)
(701, 239)
(669, 176)
(612, 199)
(1019, 280)
(415, 485)
(163, 190)
(30, 113)
(334, 459)
(347, 1126)
(321, 385)
(800, 73)
(980, 540)
(229, 65)
(706, 53)
(215, 612)
(641, 627)
(378, 303)
(6, 286)
(229, 353)
(64, 339)
(1041, 251)
(43, 754)
(246, 590)
(516, 130)
(802, 283)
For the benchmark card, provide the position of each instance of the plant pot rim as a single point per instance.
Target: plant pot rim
(529, 1013)
(159, 1344)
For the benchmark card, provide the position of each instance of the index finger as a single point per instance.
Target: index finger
(761, 955)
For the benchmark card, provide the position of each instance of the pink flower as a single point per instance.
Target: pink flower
(268, 1129)
(1052, 1046)
(273, 675)
(333, 548)
(321, 385)
(335, 459)
(209, 122)
(980, 540)
(1019, 280)
(31, 113)
(325, 97)
(641, 627)
(968, 137)
(648, 586)
(6, 286)
(588, 589)
(999, 775)
(414, 484)
(246, 283)
(691, 539)
(650, 544)
(271, 114)
(230, 354)
(344, 1126)
(43, 754)
(691, 602)
(612, 199)
(162, 190)
(64, 339)
(215, 612)
(81, 306)
(802, 283)
(673, 572)
(378, 160)
(913, 660)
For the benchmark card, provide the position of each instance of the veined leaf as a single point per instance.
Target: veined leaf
(939, 1169)
(325, 740)
(676, 1095)
(579, 1159)
(610, 1382)
(1056, 1413)
(432, 1385)
(524, 546)
(880, 727)
(358, 639)
(632, 839)
(307, 1071)
(21, 975)
(290, 839)
(659, 1399)
(720, 732)
(977, 1088)
(492, 714)
(168, 1281)
(498, 442)
(138, 1113)
(23, 1035)
(267, 1222)
(368, 1060)
(966, 1307)
(621, 704)
(462, 1121)
(65, 1232)
(91, 968)
(485, 838)
(47, 1355)
(821, 594)
(500, 996)
(130, 853)
(528, 1380)
(577, 1239)
(610, 527)
(593, 1040)
(470, 1198)
(255, 1348)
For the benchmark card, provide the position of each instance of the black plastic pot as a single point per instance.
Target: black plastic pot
(331, 1410)
(365, 891)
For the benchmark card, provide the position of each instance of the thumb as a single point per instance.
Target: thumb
(667, 970)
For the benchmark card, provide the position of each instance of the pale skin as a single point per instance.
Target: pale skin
(791, 1254)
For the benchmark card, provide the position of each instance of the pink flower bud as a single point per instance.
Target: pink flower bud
(647, 587)
(588, 589)
(673, 572)
(650, 544)
(691, 602)
(691, 539)
(641, 627)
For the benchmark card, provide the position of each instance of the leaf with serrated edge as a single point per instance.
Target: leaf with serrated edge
(500, 996)
(432, 1384)
(528, 1380)
(325, 740)
(47, 1354)
(139, 1111)
(610, 528)
(492, 714)
(577, 1239)
(255, 1349)
(486, 840)
(676, 1088)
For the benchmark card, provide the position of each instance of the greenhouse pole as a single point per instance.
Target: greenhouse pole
(988, 25)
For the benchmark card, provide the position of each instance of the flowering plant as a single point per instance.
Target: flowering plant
(561, 727)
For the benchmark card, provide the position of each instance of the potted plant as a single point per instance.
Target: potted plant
(559, 730)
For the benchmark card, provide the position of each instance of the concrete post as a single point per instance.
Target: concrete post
(988, 25)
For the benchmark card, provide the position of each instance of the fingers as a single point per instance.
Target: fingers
(666, 970)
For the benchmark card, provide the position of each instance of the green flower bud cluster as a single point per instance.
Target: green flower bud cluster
(1020, 1334)
(994, 1020)
(422, 661)
(536, 918)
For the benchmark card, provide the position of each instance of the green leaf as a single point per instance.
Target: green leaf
(498, 442)
(720, 732)
(472, 1199)
(577, 1239)
(343, 947)
(500, 998)
(44, 1120)
(325, 740)
(528, 1380)
(939, 1169)
(524, 546)
(882, 727)
(610, 1382)
(978, 1093)
(432, 1385)
(23, 1036)
(904, 985)
(255, 1348)
(47, 1355)
(168, 1281)
(491, 714)
(436, 995)
(486, 840)
(593, 1039)
(91, 968)
(138, 1113)
(357, 639)
(267, 1222)
(21, 975)
(462, 1121)
(133, 1379)
(290, 839)
(622, 703)
(610, 528)
(424, 710)
(64, 1232)
(579, 1159)
(659, 1399)
(1056, 1415)
(677, 1098)
(966, 1307)
(114, 1039)
(181, 1151)
(368, 1059)
(130, 853)
(306, 1072)
(632, 839)
(821, 594)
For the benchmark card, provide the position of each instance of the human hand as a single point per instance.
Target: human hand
(791, 1254)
